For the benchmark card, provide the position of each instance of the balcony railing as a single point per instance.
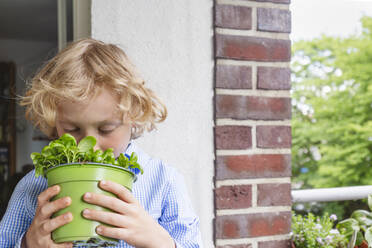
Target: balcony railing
(331, 194)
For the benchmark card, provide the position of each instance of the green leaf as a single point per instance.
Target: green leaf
(348, 227)
(97, 156)
(133, 158)
(108, 156)
(68, 140)
(363, 217)
(368, 236)
(57, 148)
(46, 151)
(123, 161)
(35, 157)
(38, 171)
(87, 144)
(370, 202)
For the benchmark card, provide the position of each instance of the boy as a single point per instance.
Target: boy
(91, 88)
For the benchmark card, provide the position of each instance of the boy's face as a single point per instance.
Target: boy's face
(96, 117)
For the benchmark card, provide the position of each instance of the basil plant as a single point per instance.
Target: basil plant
(358, 227)
(66, 150)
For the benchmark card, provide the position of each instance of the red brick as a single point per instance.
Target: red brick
(273, 78)
(233, 137)
(274, 136)
(273, 1)
(270, 224)
(273, 20)
(252, 48)
(275, 244)
(236, 246)
(274, 194)
(233, 77)
(229, 16)
(253, 225)
(253, 107)
(253, 166)
(230, 229)
(232, 197)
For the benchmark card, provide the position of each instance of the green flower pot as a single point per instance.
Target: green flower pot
(75, 180)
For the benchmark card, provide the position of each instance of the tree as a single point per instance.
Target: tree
(332, 110)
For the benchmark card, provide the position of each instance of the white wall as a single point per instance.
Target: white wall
(27, 56)
(171, 42)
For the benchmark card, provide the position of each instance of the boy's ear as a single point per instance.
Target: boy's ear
(133, 128)
(134, 131)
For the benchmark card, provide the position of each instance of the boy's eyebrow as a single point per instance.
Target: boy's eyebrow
(104, 122)
(111, 122)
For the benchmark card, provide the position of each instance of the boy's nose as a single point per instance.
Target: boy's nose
(97, 147)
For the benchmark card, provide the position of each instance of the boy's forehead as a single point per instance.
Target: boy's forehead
(88, 119)
(101, 108)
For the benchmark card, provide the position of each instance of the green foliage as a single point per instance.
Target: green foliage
(343, 209)
(314, 232)
(66, 150)
(332, 110)
(358, 227)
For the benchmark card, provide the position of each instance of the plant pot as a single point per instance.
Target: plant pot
(364, 244)
(75, 180)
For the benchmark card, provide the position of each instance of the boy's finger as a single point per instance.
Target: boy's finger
(122, 192)
(109, 202)
(52, 224)
(51, 207)
(110, 218)
(116, 233)
(47, 194)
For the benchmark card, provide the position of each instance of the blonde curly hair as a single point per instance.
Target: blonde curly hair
(77, 73)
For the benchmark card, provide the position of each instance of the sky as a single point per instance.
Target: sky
(311, 18)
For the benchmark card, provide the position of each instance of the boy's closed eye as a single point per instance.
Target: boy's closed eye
(106, 130)
(71, 130)
(102, 130)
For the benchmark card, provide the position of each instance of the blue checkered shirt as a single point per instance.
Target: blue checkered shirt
(160, 189)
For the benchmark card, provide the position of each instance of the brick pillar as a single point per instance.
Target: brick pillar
(252, 124)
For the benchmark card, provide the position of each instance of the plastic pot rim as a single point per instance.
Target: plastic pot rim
(93, 163)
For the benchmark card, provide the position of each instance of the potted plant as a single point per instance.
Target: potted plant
(77, 169)
(358, 228)
(316, 232)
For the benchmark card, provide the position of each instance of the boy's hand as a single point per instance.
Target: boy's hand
(132, 223)
(39, 233)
